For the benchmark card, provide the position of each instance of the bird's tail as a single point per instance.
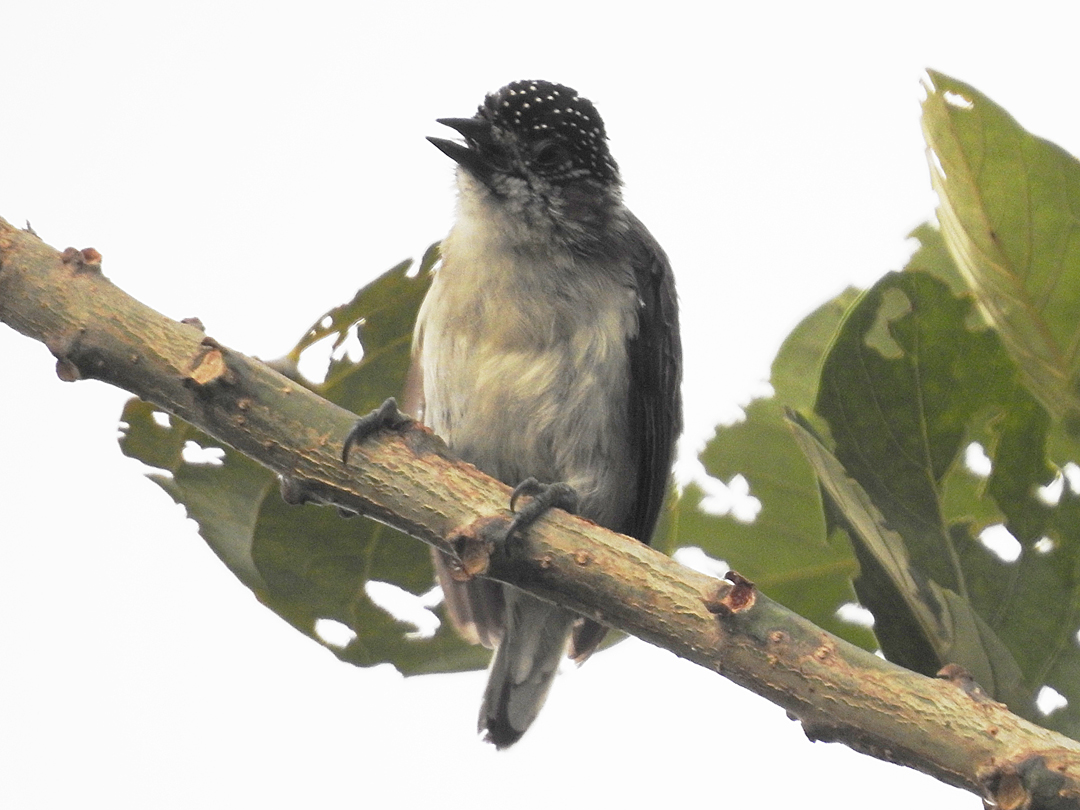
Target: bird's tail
(533, 643)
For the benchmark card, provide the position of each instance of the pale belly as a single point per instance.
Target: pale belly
(554, 408)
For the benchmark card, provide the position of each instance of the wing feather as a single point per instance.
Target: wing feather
(655, 401)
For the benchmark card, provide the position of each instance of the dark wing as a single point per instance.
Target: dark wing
(655, 355)
(655, 380)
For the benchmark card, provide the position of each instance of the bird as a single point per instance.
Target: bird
(547, 354)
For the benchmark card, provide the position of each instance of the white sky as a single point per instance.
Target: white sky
(253, 164)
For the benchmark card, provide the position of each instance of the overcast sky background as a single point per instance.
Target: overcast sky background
(254, 164)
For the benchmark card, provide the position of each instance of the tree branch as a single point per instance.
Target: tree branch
(945, 727)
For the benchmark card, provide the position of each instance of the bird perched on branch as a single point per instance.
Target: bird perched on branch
(547, 354)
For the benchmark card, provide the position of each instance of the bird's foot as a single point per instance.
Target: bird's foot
(543, 497)
(385, 417)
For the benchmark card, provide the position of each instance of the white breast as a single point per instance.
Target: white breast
(525, 365)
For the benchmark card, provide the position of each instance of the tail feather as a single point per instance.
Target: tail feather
(525, 663)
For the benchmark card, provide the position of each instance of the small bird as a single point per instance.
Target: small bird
(547, 350)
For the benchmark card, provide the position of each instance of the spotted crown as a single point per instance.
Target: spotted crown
(539, 110)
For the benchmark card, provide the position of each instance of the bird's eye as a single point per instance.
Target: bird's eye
(551, 155)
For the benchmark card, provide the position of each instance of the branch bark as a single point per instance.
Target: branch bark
(945, 727)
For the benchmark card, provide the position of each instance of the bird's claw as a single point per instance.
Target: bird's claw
(558, 495)
(385, 417)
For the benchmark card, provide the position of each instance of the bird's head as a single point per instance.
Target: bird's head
(536, 131)
(536, 159)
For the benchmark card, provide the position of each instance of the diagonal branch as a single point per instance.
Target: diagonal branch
(945, 727)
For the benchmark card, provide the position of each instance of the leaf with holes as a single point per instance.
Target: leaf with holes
(788, 550)
(913, 377)
(306, 563)
(1008, 207)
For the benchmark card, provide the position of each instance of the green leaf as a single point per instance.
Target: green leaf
(222, 498)
(911, 380)
(932, 256)
(922, 625)
(898, 389)
(788, 550)
(1010, 213)
(307, 563)
(383, 313)
(317, 565)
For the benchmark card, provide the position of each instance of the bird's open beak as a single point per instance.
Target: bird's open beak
(474, 153)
